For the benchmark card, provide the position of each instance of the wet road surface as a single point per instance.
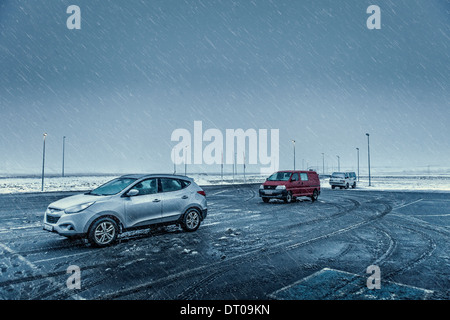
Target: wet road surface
(245, 249)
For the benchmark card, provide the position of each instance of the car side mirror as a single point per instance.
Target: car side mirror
(132, 193)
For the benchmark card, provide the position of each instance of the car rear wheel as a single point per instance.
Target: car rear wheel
(346, 186)
(315, 195)
(103, 232)
(191, 220)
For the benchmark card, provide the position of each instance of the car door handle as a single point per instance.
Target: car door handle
(156, 200)
(184, 197)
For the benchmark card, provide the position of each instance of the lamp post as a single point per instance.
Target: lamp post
(185, 160)
(43, 162)
(339, 163)
(368, 155)
(234, 166)
(174, 164)
(357, 152)
(64, 147)
(323, 163)
(243, 156)
(293, 141)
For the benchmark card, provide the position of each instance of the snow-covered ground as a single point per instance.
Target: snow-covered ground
(81, 183)
(406, 183)
(33, 184)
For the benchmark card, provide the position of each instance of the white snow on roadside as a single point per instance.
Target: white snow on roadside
(404, 183)
(51, 184)
(10, 185)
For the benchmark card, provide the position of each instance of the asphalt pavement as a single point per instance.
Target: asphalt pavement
(244, 250)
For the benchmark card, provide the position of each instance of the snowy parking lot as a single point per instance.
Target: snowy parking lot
(227, 93)
(245, 249)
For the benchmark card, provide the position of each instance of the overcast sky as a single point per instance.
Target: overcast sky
(138, 70)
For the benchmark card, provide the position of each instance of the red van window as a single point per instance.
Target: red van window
(304, 176)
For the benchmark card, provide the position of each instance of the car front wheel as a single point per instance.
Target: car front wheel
(103, 232)
(288, 198)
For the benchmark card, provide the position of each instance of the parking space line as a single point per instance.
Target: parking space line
(31, 226)
(61, 257)
(407, 204)
(218, 192)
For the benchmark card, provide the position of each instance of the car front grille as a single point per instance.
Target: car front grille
(270, 187)
(52, 219)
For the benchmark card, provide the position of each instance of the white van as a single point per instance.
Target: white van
(343, 180)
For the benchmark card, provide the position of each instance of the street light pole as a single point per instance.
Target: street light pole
(64, 147)
(368, 155)
(293, 141)
(174, 164)
(323, 163)
(339, 163)
(234, 165)
(185, 160)
(357, 151)
(43, 163)
(243, 155)
(221, 168)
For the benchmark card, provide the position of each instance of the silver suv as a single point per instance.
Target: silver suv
(126, 203)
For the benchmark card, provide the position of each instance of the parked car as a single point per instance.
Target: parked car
(126, 203)
(289, 184)
(343, 180)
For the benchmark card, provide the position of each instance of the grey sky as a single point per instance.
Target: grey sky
(137, 70)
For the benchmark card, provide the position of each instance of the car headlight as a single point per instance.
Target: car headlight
(79, 207)
(261, 186)
(282, 187)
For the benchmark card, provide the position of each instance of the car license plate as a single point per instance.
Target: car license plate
(268, 191)
(48, 227)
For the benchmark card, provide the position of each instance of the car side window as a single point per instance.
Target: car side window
(304, 176)
(295, 177)
(147, 187)
(184, 183)
(168, 185)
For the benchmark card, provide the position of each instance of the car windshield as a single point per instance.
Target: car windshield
(338, 175)
(280, 176)
(112, 187)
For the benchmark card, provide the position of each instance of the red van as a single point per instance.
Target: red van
(289, 184)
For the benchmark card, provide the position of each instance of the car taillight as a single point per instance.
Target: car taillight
(202, 193)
